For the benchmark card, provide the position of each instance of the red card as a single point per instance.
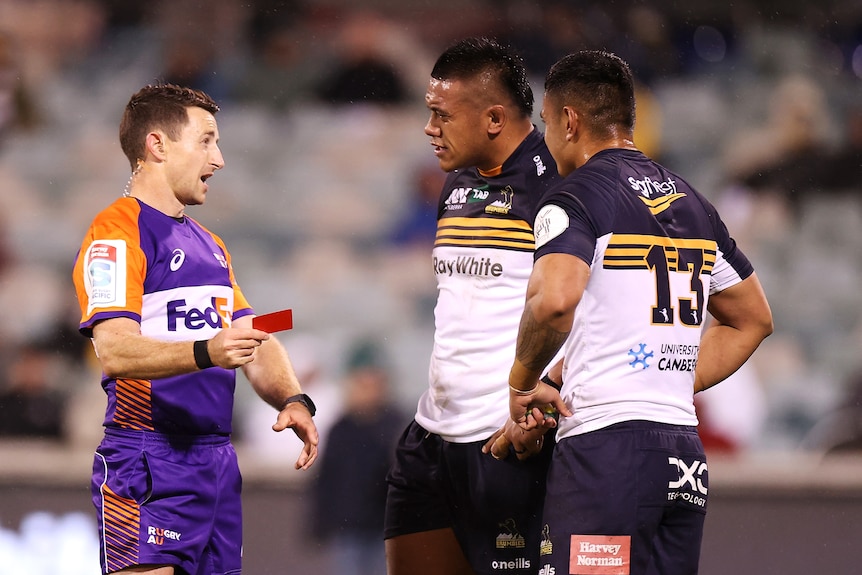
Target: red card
(275, 321)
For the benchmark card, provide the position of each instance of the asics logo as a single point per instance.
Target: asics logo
(178, 259)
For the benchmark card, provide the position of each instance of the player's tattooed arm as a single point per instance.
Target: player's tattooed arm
(537, 342)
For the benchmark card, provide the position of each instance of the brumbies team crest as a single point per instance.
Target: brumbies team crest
(502, 205)
(509, 537)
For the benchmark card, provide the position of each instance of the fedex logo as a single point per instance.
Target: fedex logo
(216, 315)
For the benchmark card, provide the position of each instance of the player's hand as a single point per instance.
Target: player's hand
(529, 411)
(234, 347)
(524, 443)
(295, 416)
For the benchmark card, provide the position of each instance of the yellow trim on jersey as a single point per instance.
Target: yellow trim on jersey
(497, 223)
(660, 204)
(630, 251)
(485, 232)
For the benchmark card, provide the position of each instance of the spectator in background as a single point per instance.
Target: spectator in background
(30, 404)
(418, 225)
(350, 492)
(775, 155)
(17, 110)
(282, 69)
(839, 432)
(363, 72)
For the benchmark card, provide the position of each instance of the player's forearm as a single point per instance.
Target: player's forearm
(741, 321)
(271, 374)
(723, 350)
(538, 342)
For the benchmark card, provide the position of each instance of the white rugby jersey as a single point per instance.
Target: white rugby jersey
(482, 257)
(657, 249)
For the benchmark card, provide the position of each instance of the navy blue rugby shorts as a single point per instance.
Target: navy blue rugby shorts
(494, 506)
(629, 499)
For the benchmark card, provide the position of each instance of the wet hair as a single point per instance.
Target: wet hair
(598, 83)
(162, 107)
(472, 57)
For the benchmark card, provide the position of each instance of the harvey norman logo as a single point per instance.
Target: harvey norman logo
(600, 554)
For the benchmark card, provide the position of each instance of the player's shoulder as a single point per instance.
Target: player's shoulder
(535, 159)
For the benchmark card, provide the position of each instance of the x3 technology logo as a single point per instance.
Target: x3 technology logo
(690, 476)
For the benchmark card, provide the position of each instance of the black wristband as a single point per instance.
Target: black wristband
(547, 379)
(202, 354)
(304, 400)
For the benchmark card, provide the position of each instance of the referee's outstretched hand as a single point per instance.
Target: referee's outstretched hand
(295, 416)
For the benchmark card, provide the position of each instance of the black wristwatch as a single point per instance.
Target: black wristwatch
(304, 400)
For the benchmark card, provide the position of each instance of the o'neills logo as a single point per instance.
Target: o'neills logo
(600, 554)
(519, 563)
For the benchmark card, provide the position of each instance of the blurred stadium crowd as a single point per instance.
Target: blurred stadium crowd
(327, 198)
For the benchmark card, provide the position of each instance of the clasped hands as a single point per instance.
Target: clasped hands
(531, 416)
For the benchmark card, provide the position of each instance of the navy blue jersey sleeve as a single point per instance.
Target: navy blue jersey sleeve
(571, 220)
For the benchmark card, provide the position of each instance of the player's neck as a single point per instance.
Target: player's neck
(506, 144)
(591, 148)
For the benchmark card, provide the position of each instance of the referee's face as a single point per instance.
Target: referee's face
(458, 126)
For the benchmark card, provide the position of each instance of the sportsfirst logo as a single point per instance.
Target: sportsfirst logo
(216, 315)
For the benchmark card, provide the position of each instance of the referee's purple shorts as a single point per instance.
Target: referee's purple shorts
(164, 499)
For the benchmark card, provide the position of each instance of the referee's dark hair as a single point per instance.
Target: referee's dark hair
(468, 58)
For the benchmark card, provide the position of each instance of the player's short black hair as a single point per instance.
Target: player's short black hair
(600, 84)
(468, 58)
(158, 106)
